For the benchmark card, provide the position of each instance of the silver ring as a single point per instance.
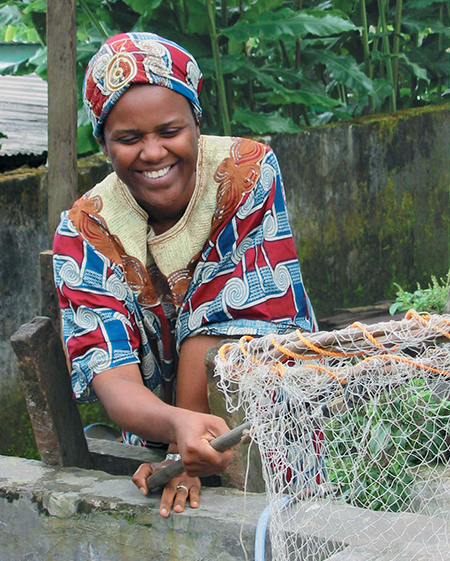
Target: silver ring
(183, 487)
(174, 457)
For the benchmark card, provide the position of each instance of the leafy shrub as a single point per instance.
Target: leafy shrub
(270, 66)
(431, 299)
(372, 448)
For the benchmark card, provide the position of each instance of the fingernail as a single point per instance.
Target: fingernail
(164, 512)
(142, 490)
(194, 504)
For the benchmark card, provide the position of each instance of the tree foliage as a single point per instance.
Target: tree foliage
(271, 65)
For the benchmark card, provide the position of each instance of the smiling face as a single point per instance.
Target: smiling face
(152, 139)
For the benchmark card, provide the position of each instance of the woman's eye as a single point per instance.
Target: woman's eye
(128, 139)
(170, 132)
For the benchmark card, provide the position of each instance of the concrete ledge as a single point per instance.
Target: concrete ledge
(67, 513)
(72, 514)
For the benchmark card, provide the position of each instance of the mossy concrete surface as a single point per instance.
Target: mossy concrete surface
(51, 514)
(61, 514)
(369, 204)
(23, 235)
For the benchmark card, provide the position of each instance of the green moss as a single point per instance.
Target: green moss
(94, 413)
(18, 438)
(384, 225)
(385, 120)
(374, 233)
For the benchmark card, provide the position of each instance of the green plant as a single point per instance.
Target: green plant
(94, 413)
(373, 447)
(271, 65)
(431, 299)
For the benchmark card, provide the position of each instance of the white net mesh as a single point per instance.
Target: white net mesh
(353, 428)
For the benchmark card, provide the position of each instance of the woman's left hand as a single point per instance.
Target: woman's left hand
(176, 492)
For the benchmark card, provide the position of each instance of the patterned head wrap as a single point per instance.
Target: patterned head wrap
(137, 58)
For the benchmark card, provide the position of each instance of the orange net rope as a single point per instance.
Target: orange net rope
(351, 425)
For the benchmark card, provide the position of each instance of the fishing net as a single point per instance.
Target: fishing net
(353, 428)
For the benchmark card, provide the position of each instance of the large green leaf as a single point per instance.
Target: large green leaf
(418, 71)
(39, 61)
(425, 26)
(284, 97)
(379, 438)
(230, 64)
(287, 23)
(289, 76)
(260, 6)
(346, 6)
(422, 4)
(10, 15)
(266, 79)
(321, 117)
(275, 79)
(382, 89)
(17, 53)
(143, 6)
(86, 50)
(197, 20)
(82, 117)
(344, 69)
(433, 61)
(318, 42)
(36, 6)
(330, 48)
(86, 143)
(439, 27)
(263, 123)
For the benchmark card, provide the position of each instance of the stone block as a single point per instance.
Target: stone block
(245, 469)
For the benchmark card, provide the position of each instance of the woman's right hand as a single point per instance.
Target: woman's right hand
(136, 409)
(194, 432)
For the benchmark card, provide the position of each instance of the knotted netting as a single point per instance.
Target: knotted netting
(353, 429)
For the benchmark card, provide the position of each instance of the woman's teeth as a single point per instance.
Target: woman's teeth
(156, 174)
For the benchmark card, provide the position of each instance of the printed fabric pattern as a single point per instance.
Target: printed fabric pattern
(247, 279)
(137, 58)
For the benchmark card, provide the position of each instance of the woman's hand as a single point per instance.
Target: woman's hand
(194, 432)
(175, 493)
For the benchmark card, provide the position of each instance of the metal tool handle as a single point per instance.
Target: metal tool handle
(221, 443)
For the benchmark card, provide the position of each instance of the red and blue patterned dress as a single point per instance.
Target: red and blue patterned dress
(228, 267)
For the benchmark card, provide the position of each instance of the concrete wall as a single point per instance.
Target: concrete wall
(369, 204)
(368, 201)
(23, 235)
(49, 514)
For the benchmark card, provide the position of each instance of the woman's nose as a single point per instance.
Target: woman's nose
(153, 149)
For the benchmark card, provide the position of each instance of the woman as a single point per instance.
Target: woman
(186, 243)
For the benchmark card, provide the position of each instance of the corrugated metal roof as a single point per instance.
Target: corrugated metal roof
(23, 115)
